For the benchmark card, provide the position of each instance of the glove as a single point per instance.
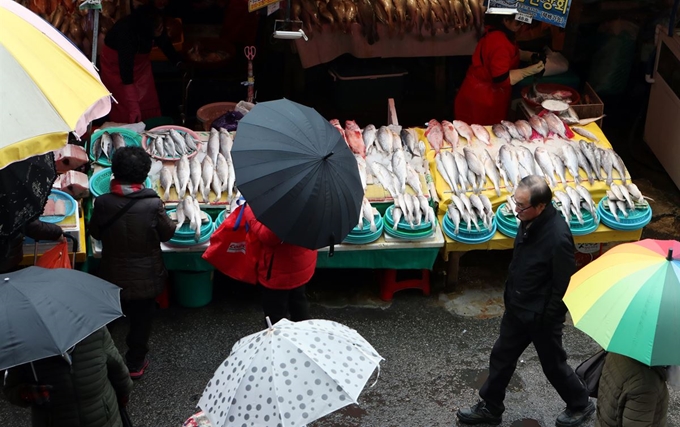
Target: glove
(131, 103)
(517, 75)
(35, 394)
(123, 400)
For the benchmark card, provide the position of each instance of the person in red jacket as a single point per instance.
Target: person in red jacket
(283, 270)
(484, 97)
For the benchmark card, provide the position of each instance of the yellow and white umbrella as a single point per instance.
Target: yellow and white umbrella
(48, 88)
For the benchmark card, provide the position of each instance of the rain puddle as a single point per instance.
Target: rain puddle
(475, 378)
(480, 303)
(525, 422)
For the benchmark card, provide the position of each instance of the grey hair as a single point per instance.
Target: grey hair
(538, 188)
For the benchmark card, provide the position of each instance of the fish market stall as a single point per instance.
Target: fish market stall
(600, 207)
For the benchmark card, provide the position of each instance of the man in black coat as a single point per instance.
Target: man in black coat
(539, 273)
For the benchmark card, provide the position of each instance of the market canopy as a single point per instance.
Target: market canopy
(47, 86)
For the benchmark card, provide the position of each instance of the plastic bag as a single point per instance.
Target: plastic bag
(57, 257)
(555, 63)
(230, 251)
(228, 121)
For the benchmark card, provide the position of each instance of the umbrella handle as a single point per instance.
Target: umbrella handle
(670, 254)
(331, 250)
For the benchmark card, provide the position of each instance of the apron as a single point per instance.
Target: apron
(146, 99)
(480, 100)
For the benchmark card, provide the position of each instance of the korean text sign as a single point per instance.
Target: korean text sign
(553, 12)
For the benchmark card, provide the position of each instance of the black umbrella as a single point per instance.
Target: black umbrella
(24, 187)
(297, 174)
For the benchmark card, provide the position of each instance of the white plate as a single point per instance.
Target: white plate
(555, 105)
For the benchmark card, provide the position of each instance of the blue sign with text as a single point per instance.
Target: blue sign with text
(553, 12)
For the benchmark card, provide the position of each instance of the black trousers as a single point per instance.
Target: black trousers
(140, 314)
(290, 303)
(518, 330)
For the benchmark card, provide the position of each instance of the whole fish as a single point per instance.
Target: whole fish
(97, 148)
(226, 142)
(589, 153)
(473, 163)
(491, 170)
(512, 129)
(197, 220)
(361, 164)
(213, 147)
(118, 141)
(526, 160)
(385, 177)
(571, 161)
(558, 163)
(370, 136)
(408, 141)
(524, 129)
(585, 133)
(471, 212)
(477, 204)
(508, 166)
(221, 170)
(450, 133)
(424, 204)
(611, 204)
(169, 147)
(556, 125)
(189, 142)
(397, 213)
(565, 203)
(616, 191)
(501, 132)
(159, 145)
(336, 124)
(464, 130)
(355, 139)
(106, 144)
(435, 135)
(636, 194)
(216, 186)
(399, 169)
(183, 174)
(587, 199)
(575, 202)
(367, 212)
(189, 208)
(543, 159)
(181, 216)
(180, 145)
(607, 164)
(195, 175)
(481, 133)
(539, 125)
(464, 214)
(462, 166)
(231, 181)
(584, 122)
(207, 168)
(409, 211)
(621, 206)
(166, 182)
(413, 180)
(618, 164)
(396, 141)
(454, 215)
(385, 139)
(444, 173)
(585, 165)
(627, 196)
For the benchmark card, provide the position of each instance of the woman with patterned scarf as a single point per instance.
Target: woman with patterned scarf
(131, 222)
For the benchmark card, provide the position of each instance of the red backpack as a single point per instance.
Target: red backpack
(230, 251)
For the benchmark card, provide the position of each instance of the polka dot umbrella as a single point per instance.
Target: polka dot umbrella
(289, 375)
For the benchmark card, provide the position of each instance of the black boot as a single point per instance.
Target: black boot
(573, 418)
(478, 414)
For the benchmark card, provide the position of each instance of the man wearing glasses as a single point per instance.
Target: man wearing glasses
(539, 273)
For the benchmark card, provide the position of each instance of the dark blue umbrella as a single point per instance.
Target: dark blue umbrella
(297, 174)
(47, 311)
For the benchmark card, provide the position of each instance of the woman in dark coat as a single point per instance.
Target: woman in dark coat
(12, 247)
(631, 394)
(131, 222)
(484, 97)
(86, 393)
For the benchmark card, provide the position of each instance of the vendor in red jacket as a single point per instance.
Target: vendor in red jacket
(484, 97)
(283, 270)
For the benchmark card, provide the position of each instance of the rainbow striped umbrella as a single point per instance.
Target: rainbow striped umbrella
(628, 300)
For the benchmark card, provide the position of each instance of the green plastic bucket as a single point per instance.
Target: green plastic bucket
(192, 288)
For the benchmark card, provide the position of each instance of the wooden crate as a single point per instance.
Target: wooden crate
(590, 105)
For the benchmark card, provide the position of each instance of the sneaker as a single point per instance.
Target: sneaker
(136, 374)
(571, 418)
(478, 414)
